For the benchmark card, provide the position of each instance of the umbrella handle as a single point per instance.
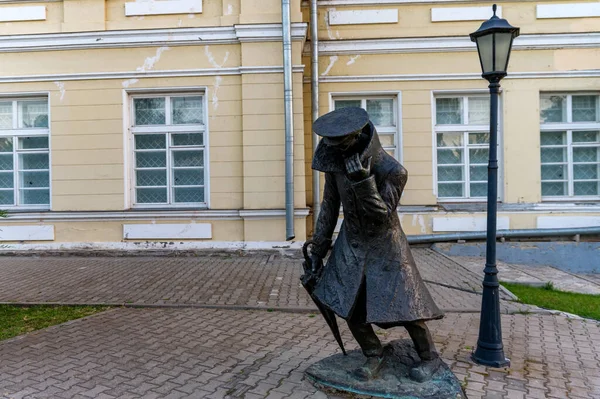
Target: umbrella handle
(305, 250)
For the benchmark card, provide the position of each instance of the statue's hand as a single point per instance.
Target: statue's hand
(355, 169)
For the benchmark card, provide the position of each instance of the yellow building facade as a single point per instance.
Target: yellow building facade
(160, 124)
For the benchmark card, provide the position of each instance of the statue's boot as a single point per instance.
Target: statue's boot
(370, 369)
(425, 370)
(371, 348)
(430, 361)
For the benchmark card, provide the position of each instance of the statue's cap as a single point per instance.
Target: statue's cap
(341, 122)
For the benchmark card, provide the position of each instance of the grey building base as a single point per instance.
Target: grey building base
(335, 373)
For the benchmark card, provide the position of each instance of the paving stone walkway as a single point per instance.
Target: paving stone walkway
(186, 350)
(246, 280)
(215, 353)
(536, 275)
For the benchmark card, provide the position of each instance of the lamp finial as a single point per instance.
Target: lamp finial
(494, 7)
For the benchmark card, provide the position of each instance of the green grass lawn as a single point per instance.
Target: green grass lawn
(548, 297)
(17, 320)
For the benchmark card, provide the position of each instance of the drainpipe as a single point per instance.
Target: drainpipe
(289, 119)
(314, 90)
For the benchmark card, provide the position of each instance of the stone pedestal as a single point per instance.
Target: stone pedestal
(393, 381)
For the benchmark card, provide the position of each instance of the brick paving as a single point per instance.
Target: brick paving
(210, 279)
(185, 351)
(536, 275)
(216, 353)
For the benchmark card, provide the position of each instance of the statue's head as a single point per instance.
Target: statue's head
(342, 128)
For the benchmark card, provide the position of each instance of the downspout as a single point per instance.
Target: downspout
(289, 119)
(314, 90)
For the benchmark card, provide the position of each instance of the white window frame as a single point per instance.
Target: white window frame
(569, 126)
(465, 128)
(17, 132)
(166, 129)
(396, 96)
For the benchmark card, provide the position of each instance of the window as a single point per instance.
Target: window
(462, 125)
(570, 146)
(383, 114)
(169, 150)
(24, 153)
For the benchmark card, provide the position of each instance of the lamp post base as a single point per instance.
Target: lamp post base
(490, 358)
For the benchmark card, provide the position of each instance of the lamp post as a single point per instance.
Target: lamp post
(494, 41)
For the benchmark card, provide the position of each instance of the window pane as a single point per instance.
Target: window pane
(553, 109)
(151, 195)
(584, 108)
(6, 115)
(450, 173)
(585, 154)
(387, 140)
(188, 158)
(6, 161)
(150, 142)
(449, 111)
(381, 112)
(346, 103)
(478, 190)
(478, 155)
(449, 156)
(585, 172)
(28, 143)
(479, 173)
(450, 139)
(586, 188)
(188, 177)
(148, 178)
(33, 114)
(189, 195)
(554, 172)
(151, 159)
(479, 138)
(34, 179)
(149, 111)
(554, 189)
(6, 180)
(554, 155)
(553, 138)
(35, 197)
(187, 110)
(585, 137)
(34, 161)
(450, 190)
(187, 139)
(7, 197)
(479, 111)
(6, 144)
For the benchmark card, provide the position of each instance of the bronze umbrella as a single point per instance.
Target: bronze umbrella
(309, 280)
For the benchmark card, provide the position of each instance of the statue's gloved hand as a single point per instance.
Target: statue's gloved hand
(355, 170)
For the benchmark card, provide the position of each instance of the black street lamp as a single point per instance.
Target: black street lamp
(494, 41)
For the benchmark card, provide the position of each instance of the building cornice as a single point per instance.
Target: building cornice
(591, 73)
(364, 3)
(453, 44)
(179, 73)
(207, 214)
(149, 38)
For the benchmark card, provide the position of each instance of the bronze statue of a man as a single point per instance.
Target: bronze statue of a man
(370, 276)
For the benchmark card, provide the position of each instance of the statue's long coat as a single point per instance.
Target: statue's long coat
(371, 249)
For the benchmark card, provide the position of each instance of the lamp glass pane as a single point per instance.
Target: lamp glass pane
(503, 42)
(485, 48)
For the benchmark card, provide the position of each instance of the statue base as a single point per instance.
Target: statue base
(337, 373)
